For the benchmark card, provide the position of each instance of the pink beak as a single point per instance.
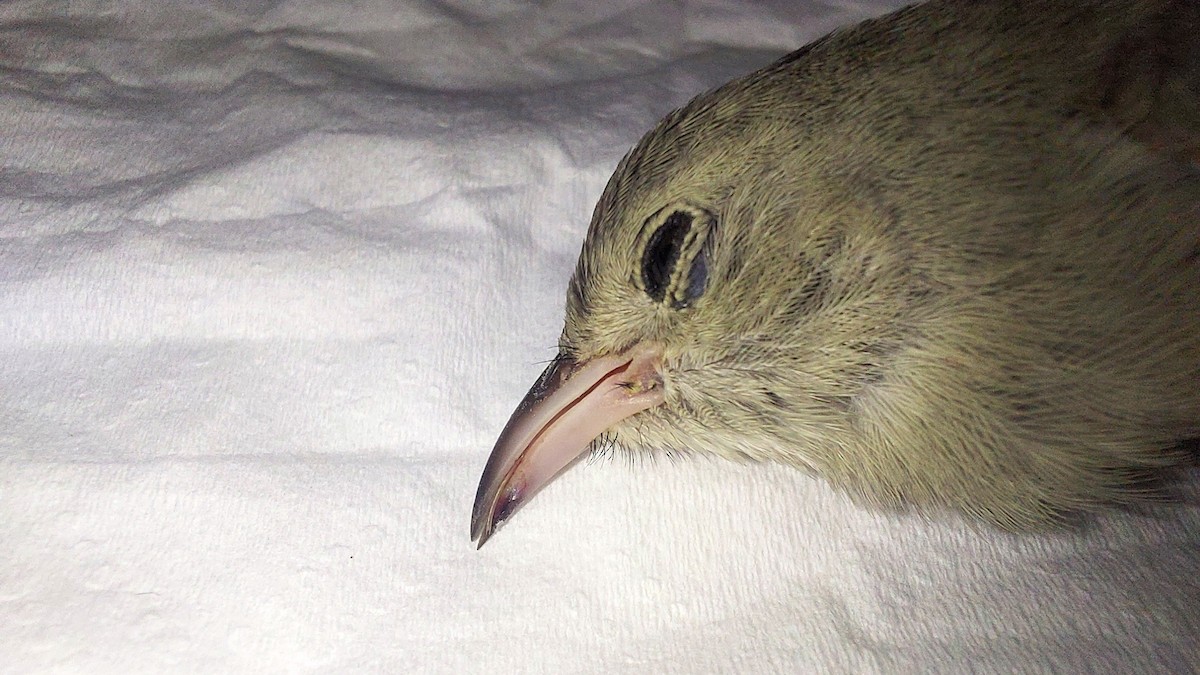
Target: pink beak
(554, 425)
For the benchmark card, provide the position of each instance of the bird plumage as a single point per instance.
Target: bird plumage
(949, 257)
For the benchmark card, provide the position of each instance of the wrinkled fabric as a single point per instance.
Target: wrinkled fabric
(274, 274)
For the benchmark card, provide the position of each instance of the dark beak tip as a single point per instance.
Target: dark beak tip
(483, 523)
(482, 511)
(481, 532)
(478, 528)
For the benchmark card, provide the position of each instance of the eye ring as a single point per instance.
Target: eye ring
(674, 259)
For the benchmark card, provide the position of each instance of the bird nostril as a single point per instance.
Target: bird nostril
(640, 377)
(641, 382)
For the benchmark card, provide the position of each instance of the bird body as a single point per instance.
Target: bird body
(948, 258)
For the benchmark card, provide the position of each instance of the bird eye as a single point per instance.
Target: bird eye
(674, 263)
(662, 253)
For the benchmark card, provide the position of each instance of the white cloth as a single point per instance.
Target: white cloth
(274, 274)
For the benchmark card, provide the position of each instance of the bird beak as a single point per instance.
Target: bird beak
(554, 425)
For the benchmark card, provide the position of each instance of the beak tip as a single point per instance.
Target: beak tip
(483, 521)
(479, 530)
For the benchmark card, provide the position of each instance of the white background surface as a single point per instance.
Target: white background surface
(274, 274)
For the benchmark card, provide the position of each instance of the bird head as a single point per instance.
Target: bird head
(733, 296)
(901, 258)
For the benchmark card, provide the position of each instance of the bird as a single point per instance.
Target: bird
(946, 259)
